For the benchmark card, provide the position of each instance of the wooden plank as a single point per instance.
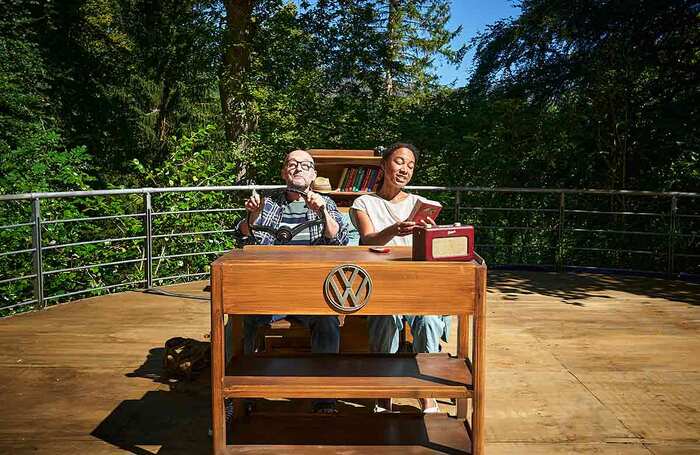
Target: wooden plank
(348, 376)
(462, 352)
(479, 363)
(270, 280)
(218, 362)
(338, 434)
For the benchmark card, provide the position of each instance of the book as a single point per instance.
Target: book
(341, 181)
(365, 179)
(350, 179)
(424, 209)
(374, 184)
(358, 179)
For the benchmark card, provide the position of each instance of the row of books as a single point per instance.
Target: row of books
(360, 178)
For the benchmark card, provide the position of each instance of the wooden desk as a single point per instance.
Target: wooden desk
(290, 280)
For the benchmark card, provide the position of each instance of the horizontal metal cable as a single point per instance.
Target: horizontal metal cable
(93, 218)
(48, 195)
(7, 253)
(601, 212)
(102, 288)
(26, 302)
(510, 228)
(170, 256)
(465, 189)
(198, 211)
(104, 264)
(616, 250)
(10, 226)
(494, 245)
(180, 276)
(180, 234)
(89, 242)
(25, 277)
(509, 209)
(187, 189)
(613, 231)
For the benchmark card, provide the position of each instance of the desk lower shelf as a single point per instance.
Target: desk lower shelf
(348, 376)
(357, 434)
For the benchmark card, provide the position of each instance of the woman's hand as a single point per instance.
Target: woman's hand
(427, 222)
(403, 228)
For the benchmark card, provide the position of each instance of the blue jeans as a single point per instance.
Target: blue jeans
(325, 337)
(426, 331)
(325, 331)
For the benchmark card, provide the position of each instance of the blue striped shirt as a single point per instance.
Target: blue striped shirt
(271, 216)
(294, 214)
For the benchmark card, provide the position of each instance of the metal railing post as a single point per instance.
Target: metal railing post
(149, 239)
(38, 263)
(458, 202)
(672, 226)
(560, 263)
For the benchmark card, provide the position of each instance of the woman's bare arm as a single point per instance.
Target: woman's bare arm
(368, 235)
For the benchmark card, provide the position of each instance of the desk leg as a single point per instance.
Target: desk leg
(218, 427)
(479, 362)
(462, 353)
(234, 330)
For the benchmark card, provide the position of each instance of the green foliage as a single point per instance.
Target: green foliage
(615, 80)
(112, 93)
(43, 163)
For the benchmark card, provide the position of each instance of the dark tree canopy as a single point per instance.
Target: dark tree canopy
(588, 93)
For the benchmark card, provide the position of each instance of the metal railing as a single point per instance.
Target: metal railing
(634, 231)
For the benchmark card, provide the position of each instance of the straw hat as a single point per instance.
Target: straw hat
(321, 185)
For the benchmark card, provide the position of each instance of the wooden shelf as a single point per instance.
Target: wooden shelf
(332, 163)
(350, 434)
(349, 193)
(348, 376)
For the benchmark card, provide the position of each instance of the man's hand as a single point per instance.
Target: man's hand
(315, 202)
(254, 206)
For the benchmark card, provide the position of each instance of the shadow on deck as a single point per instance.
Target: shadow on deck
(575, 364)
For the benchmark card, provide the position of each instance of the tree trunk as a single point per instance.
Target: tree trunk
(235, 101)
(393, 41)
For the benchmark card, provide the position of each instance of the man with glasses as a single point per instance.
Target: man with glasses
(295, 205)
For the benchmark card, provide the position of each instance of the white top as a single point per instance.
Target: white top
(383, 213)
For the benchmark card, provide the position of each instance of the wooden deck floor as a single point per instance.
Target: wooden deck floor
(575, 364)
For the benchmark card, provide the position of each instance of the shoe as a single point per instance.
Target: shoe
(228, 414)
(383, 405)
(324, 407)
(228, 410)
(429, 405)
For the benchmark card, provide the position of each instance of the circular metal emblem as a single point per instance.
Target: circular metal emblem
(347, 288)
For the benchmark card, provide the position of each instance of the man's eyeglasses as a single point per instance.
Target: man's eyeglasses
(304, 165)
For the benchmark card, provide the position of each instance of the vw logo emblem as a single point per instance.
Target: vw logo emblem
(347, 288)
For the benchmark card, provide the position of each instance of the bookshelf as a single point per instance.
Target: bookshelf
(344, 167)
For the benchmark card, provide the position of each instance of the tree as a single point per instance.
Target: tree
(416, 32)
(237, 115)
(622, 73)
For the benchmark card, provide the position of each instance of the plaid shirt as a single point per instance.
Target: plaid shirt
(271, 216)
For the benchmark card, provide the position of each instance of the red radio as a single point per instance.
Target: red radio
(452, 242)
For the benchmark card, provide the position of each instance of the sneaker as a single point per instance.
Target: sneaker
(383, 405)
(429, 405)
(324, 407)
(228, 414)
(228, 410)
